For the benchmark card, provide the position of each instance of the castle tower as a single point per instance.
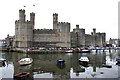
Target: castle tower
(94, 31)
(32, 18)
(24, 30)
(22, 15)
(94, 37)
(64, 32)
(55, 20)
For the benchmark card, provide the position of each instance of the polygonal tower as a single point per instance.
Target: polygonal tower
(22, 15)
(24, 30)
(55, 20)
(32, 18)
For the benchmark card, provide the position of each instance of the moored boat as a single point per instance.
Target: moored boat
(84, 59)
(107, 66)
(68, 51)
(118, 60)
(85, 51)
(21, 76)
(25, 61)
(60, 61)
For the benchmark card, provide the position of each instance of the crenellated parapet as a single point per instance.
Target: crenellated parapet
(28, 22)
(32, 14)
(82, 30)
(19, 22)
(16, 21)
(64, 24)
(64, 27)
(55, 14)
(44, 31)
(22, 11)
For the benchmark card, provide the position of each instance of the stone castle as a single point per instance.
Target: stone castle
(27, 36)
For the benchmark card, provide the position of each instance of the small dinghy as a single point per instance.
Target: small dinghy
(84, 59)
(85, 51)
(21, 76)
(25, 61)
(60, 61)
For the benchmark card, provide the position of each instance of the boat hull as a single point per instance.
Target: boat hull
(60, 61)
(84, 63)
(85, 51)
(22, 76)
(25, 61)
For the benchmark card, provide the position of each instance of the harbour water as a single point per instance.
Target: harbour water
(45, 65)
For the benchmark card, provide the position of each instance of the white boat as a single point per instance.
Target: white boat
(69, 51)
(25, 61)
(84, 59)
(85, 51)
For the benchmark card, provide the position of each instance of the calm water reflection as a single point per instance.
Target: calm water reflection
(44, 65)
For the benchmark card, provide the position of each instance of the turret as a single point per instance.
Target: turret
(55, 20)
(94, 31)
(32, 17)
(22, 15)
(77, 26)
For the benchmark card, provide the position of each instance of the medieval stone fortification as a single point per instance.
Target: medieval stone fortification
(27, 36)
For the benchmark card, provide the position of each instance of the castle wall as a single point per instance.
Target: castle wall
(100, 40)
(88, 40)
(73, 38)
(82, 37)
(45, 37)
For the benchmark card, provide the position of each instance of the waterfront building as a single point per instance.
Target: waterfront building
(113, 42)
(26, 36)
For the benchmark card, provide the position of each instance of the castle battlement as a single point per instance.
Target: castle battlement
(29, 22)
(82, 29)
(22, 11)
(63, 23)
(44, 31)
(32, 13)
(16, 21)
(55, 14)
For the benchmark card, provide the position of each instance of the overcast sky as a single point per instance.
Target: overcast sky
(89, 14)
